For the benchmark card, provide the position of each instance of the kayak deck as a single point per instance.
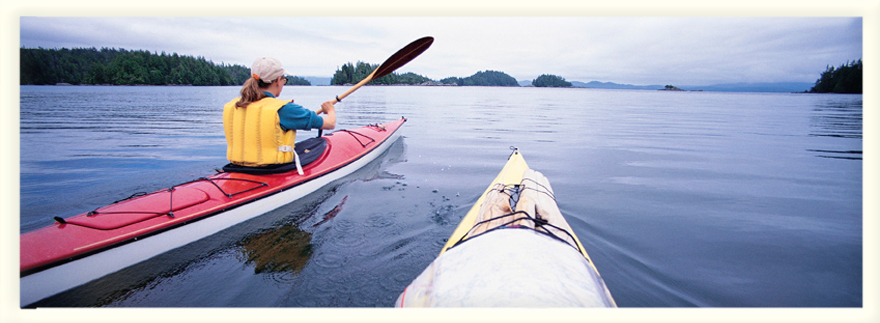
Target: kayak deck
(526, 258)
(511, 175)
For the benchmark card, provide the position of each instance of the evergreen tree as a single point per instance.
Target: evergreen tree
(546, 80)
(845, 79)
(490, 78)
(353, 73)
(296, 80)
(483, 78)
(123, 67)
(452, 80)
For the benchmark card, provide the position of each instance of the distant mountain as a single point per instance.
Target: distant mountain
(726, 87)
(525, 83)
(316, 80)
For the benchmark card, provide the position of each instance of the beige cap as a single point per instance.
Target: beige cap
(267, 69)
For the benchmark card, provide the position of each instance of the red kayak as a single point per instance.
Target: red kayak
(79, 249)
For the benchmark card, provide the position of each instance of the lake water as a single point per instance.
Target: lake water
(681, 198)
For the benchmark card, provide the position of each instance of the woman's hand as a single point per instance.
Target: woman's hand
(330, 119)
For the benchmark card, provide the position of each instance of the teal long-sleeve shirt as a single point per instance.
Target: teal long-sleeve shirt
(294, 116)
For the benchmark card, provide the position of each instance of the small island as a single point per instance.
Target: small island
(351, 73)
(483, 78)
(670, 88)
(547, 80)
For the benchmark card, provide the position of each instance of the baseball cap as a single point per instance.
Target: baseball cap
(267, 69)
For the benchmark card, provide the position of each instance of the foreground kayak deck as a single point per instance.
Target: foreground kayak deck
(76, 250)
(511, 174)
(529, 257)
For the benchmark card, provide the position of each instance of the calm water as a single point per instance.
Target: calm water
(681, 198)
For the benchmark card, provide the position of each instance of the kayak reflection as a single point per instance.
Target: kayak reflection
(285, 248)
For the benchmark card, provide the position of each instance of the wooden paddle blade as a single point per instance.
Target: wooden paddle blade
(403, 56)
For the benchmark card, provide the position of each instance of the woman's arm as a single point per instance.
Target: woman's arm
(330, 118)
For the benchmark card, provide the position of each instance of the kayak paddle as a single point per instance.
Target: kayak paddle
(400, 58)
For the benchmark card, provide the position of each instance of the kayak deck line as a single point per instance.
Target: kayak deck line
(171, 201)
(147, 231)
(510, 173)
(538, 224)
(353, 133)
(142, 219)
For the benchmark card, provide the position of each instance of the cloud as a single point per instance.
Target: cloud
(635, 50)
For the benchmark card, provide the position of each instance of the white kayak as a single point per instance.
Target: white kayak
(513, 249)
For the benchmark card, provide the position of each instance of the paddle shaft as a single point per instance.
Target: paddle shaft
(356, 86)
(343, 95)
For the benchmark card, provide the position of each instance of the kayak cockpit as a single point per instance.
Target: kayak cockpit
(307, 152)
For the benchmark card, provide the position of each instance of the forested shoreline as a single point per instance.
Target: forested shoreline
(91, 66)
(845, 79)
(547, 80)
(111, 66)
(351, 73)
(483, 78)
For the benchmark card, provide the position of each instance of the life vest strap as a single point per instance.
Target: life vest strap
(299, 168)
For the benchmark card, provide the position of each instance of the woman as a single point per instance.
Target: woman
(261, 129)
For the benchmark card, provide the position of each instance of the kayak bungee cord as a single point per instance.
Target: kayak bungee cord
(353, 133)
(136, 194)
(540, 223)
(545, 189)
(170, 191)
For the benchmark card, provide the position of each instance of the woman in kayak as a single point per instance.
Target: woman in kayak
(261, 129)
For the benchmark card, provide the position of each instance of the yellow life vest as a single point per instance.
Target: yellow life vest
(254, 136)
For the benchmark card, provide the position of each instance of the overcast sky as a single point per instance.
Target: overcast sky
(630, 50)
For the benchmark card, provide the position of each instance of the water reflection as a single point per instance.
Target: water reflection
(840, 119)
(283, 249)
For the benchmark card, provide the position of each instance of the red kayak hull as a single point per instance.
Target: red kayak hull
(143, 216)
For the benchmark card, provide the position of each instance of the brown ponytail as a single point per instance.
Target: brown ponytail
(251, 91)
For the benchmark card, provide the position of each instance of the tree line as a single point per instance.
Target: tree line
(113, 66)
(483, 78)
(845, 79)
(547, 80)
(351, 73)
(41, 66)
